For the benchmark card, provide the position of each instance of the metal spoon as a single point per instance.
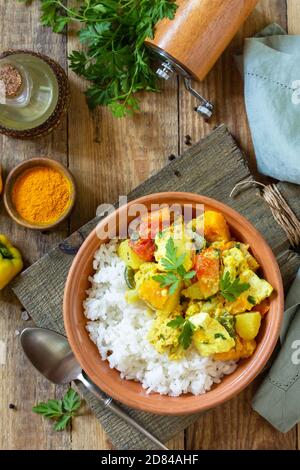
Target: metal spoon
(50, 353)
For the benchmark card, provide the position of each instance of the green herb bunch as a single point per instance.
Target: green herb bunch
(115, 58)
(175, 271)
(61, 411)
(187, 329)
(232, 289)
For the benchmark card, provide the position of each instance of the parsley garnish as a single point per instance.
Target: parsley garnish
(251, 300)
(231, 290)
(175, 271)
(187, 330)
(115, 58)
(60, 410)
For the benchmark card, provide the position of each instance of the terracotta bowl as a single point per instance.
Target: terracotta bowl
(13, 176)
(131, 393)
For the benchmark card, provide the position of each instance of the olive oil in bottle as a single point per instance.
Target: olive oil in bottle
(34, 94)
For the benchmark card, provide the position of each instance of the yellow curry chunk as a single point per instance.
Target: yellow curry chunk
(164, 338)
(234, 262)
(247, 325)
(158, 298)
(237, 259)
(201, 290)
(215, 227)
(193, 292)
(242, 350)
(258, 291)
(129, 257)
(210, 336)
(251, 261)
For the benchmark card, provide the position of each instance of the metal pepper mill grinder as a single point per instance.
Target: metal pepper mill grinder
(191, 43)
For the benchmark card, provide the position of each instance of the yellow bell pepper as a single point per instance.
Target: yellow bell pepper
(11, 262)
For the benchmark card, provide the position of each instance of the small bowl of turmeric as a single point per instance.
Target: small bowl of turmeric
(39, 193)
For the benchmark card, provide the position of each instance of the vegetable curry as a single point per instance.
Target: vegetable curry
(200, 284)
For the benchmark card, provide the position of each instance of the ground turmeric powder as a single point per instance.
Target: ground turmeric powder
(41, 195)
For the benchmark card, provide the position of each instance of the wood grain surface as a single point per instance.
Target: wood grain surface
(108, 158)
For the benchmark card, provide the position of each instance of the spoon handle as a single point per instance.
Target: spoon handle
(108, 402)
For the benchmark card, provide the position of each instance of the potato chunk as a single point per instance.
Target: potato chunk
(247, 325)
(242, 350)
(210, 337)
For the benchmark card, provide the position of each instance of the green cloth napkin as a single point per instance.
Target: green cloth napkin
(278, 398)
(271, 70)
(270, 66)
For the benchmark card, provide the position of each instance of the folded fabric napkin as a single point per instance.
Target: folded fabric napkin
(278, 398)
(271, 70)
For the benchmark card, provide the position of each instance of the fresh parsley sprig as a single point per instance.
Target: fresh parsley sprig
(175, 271)
(115, 58)
(231, 290)
(187, 330)
(61, 411)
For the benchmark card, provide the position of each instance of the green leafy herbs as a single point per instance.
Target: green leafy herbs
(114, 57)
(251, 300)
(175, 271)
(61, 411)
(187, 329)
(232, 289)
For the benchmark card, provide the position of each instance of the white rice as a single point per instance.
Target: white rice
(120, 332)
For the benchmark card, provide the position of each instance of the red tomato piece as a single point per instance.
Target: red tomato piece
(207, 269)
(207, 264)
(263, 307)
(144, 248)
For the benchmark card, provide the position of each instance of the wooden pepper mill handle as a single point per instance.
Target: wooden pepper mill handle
(200, 32)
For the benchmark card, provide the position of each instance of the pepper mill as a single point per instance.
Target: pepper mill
(191, 43)
(34, 94)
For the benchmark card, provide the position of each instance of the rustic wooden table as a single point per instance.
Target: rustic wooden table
(108, 158)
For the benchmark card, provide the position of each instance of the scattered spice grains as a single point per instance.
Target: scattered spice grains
(41, 195)
(12, 80)
(188, 140)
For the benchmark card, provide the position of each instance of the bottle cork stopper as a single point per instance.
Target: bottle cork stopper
(11, 79)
